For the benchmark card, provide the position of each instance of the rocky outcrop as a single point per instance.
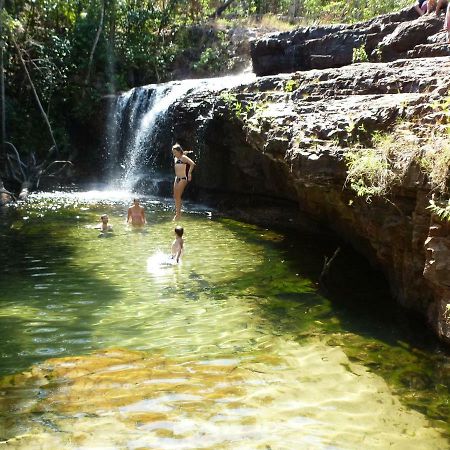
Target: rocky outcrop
(383, 39)
(283, 140)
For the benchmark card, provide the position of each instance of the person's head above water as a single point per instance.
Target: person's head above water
(179, 231)
(136, 201)
(104, 218)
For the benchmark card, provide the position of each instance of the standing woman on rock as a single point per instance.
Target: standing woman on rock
(183, 174)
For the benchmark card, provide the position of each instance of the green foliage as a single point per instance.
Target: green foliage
(447, 312)
(209, 59)
(291, 85)
(233, 104)
(435, 162)
(242, 110)
(349, 11)
(139, 43)
(373, 172)
(359, 54)
(369, 172)
(443, 106)
(440, 208)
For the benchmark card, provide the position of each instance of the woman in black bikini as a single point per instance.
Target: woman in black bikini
(183, 174)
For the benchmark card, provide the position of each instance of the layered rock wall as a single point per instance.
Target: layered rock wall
(284, 138)
(383, 39)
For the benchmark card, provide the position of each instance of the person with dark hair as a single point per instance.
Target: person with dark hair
(183, 174)
(136, 214)
(104, 226)
(177, 244)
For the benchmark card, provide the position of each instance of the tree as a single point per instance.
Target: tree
(221, 8)
(94, 45)
(2, 88)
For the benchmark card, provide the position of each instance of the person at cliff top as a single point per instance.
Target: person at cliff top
(421, 7)
(183, 174)
(136, 214)
(441, 4)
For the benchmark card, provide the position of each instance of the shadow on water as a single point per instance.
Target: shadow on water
(39, 286)
(358, 314)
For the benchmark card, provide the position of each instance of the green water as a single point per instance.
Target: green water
(106, 345)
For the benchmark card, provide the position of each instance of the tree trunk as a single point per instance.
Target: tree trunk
(294, 10)
(36, 96)
(5, 195)
(2, 93)
(222, 8)
(94, 45)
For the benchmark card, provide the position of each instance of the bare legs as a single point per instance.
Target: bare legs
(178, 189)
(447, 23)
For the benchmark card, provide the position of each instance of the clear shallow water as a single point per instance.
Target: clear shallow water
(105, 345)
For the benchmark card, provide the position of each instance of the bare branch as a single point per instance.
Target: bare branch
(94, 45)
(19, 52)
(63, 163)
(218, 12)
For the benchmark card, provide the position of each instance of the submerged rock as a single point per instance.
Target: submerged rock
(119, 398)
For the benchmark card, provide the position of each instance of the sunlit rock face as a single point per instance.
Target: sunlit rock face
(282, 140)
(384, 38)
(437, 273)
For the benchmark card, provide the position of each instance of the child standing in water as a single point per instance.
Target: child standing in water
(177, 244)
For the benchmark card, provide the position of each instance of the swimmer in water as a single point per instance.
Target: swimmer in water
(177, 244)
(104, 226)
(136, 214)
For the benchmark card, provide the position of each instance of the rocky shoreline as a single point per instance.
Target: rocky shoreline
(282, 139)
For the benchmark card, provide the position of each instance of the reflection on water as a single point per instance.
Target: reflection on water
(108, 344)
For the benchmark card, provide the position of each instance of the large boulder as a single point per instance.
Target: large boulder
(385, 38)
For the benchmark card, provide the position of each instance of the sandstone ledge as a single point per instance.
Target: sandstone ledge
(287, 144)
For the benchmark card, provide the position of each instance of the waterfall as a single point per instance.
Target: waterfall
(133, 125)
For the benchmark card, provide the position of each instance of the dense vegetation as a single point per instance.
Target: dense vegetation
(60, 57)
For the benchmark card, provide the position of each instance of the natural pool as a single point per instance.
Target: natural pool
(105, 347)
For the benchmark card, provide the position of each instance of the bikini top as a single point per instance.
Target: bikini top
(178, 161)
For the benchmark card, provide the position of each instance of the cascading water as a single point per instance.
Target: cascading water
(134, 122)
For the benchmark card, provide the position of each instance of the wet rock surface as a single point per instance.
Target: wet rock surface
(281, 140)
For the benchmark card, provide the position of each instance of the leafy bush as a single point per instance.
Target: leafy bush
(359, 54)
(210, 60)
(291, 85)
(373, 172)
(440, 208)
(435, 162)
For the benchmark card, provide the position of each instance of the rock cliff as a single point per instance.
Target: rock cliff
(282, 140)
(382, 39)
